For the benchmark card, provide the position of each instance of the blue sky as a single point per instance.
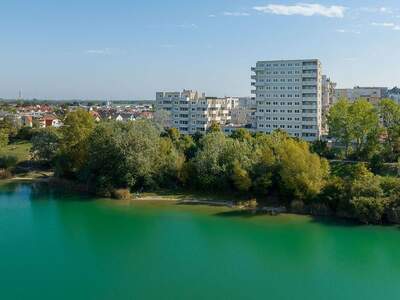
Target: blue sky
(129, 49)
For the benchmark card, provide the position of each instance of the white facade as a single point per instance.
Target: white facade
(371, 94)
(328, 99)
(289, 97)
(191, 112)
(244, 113)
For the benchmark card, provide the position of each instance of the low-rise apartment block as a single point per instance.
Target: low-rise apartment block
(191, 111)
(371, 94)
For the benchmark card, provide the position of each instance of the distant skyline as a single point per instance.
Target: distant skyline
(123, 49)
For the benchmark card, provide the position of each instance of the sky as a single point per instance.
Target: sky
(129, 49)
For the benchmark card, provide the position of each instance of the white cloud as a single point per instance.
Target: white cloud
(303, 9)
(188, 26)
(236, 14)
(384, 24)
(348, 31)
(105, 51)
(212, 16)
(392, 26)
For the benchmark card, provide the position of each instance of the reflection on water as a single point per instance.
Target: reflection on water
(58, 245)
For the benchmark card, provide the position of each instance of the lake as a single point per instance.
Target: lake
(56, 245)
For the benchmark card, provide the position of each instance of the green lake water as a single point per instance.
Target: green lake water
(54, 246)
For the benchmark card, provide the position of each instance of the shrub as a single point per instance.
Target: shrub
(369, 210)
(297, 206)
(8, 161)
(122, 194)
(5, 174)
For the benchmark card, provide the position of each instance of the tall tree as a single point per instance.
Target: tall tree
(340, 123)
(389, 112)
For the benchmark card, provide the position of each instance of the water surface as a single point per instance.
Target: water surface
(58, 246)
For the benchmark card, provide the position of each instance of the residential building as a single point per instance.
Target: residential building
(328, 99)
(191, 111)
(371, 94)
(288, 97)
(394, 94)
(244, 112)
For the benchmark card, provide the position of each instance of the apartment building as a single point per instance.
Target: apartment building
(288, 96)
(371, 94)
(191, 111)
(328, 99)
(244, 112)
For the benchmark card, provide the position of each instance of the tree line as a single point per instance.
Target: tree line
(112, 156)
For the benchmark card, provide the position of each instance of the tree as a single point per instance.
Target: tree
(389, 112)
(78, 126)
(214, 127)
(162, 119)
(4, 137)
(355, 124)
(302, 173)
(209, 162)
(45, 144)
(241, 178)
(369, 210)
(241, 134)
(364, 124)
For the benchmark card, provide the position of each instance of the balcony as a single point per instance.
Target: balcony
(254, 92)
(253, 77)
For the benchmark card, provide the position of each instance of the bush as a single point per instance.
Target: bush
(369, 210)
(122, 194)
(297, 206)
(390, 186)
(8, 161)
(5, 174)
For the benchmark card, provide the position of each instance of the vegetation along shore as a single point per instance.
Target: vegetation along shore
(357, 179)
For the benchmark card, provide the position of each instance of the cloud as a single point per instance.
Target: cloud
(105, 51)
(236, 14)
(382, 10)
(212, 16)
(384, 24)
(188, 26)
(348, 31)
(390, 25)
(303, 9)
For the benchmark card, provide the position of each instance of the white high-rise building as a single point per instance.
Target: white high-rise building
(191, 112)
(289, 97)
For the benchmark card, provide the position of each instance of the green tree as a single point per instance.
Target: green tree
(355, 124)
(302, 173)
(364, 126)
(45, 144)
(78, 126)
(241, 178)
(339, 123)
(4, 137)
(389, 112)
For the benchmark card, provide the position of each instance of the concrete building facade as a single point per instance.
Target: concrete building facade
(191, 111)
(371, 94)
(288, 96)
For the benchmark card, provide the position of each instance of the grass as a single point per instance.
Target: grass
(21, 150)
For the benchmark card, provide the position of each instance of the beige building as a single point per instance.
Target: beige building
(191, 111)
(371, 94)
